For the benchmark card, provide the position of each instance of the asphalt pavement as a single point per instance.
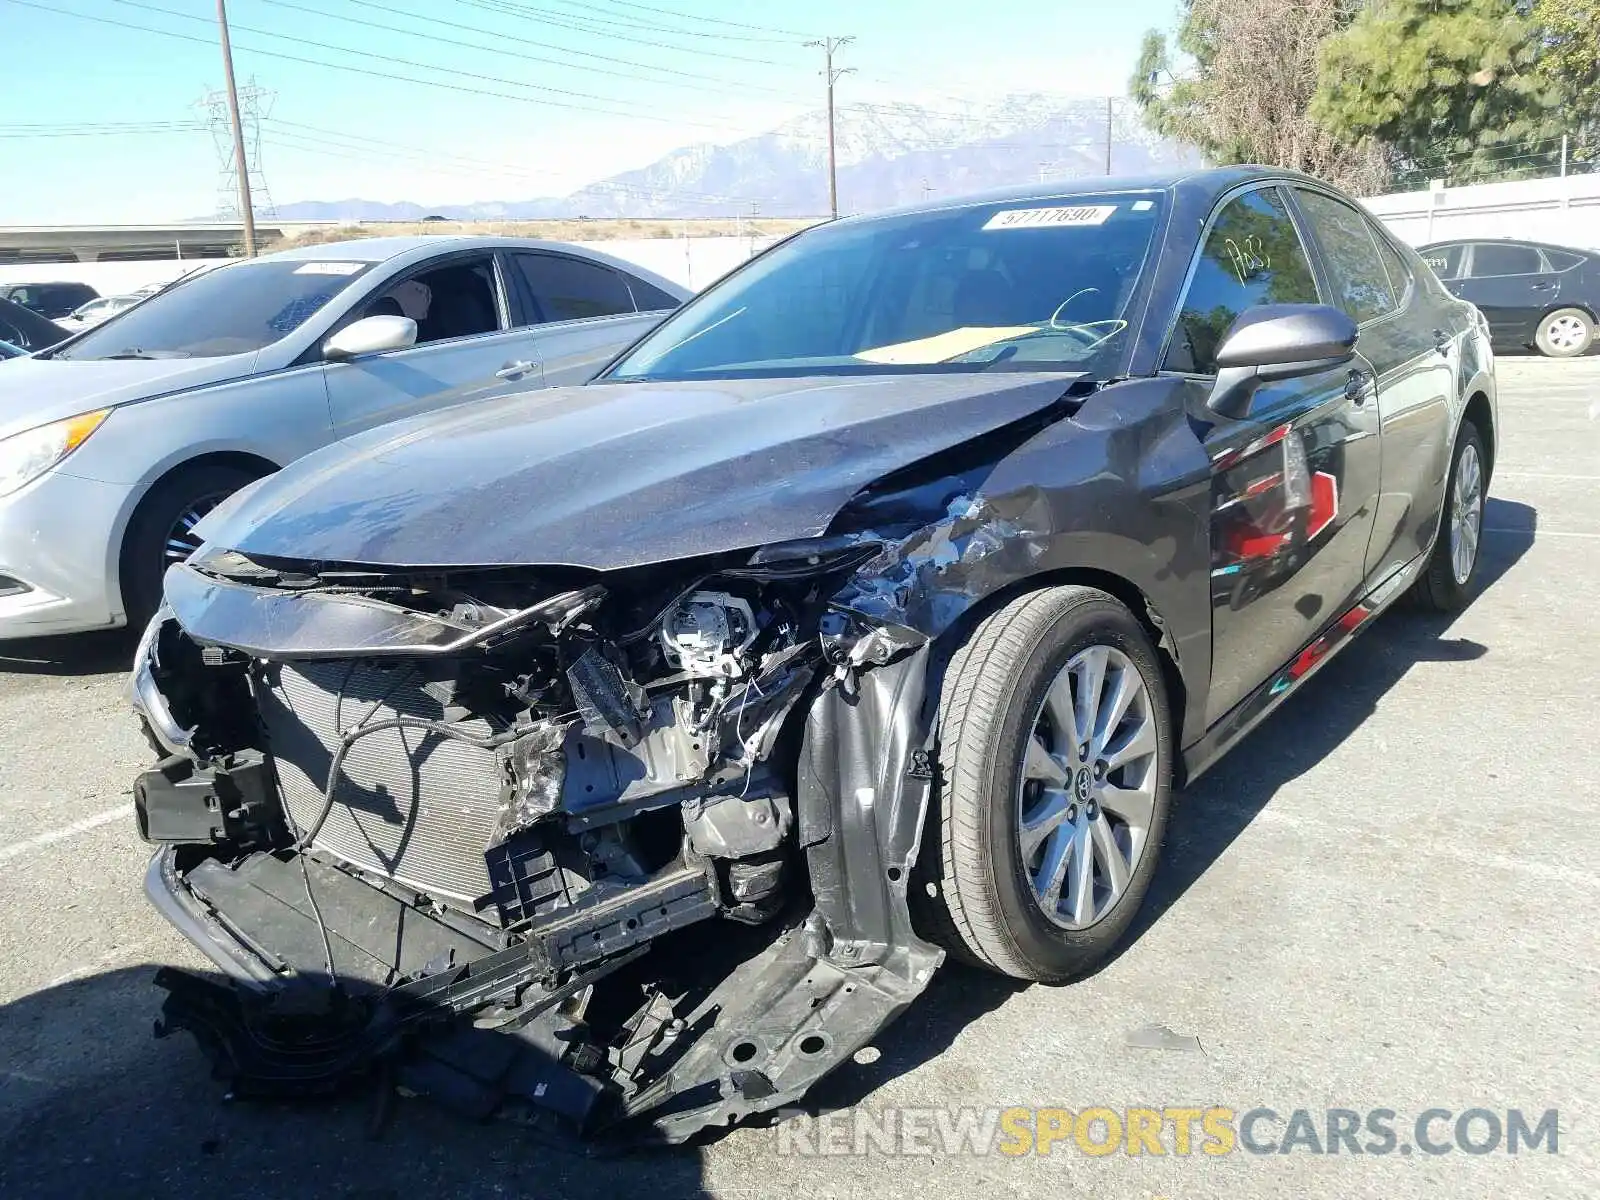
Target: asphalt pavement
(1385, 899)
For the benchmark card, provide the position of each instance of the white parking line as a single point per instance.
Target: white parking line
(1543, 533)
(17, 849)
(1546, 475)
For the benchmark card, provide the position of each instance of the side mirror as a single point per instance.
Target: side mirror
(1278, 341)
(370, 335)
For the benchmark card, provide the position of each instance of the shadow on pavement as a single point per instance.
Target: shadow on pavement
(91, 1104)
(97, 653)
(1208, 816)
(1220, 806)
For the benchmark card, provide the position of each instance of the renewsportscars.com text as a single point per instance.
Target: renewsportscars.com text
(1178, 1131)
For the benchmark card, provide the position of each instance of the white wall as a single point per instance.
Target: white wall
(1563, 211)
(692, 262)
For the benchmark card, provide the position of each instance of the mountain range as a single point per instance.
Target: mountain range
(888, 154)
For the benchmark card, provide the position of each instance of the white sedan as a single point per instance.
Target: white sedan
(102, 308)
(114, 443)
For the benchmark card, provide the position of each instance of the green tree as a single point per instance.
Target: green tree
(1451, 85)
(1569, 62)
(1237, 83)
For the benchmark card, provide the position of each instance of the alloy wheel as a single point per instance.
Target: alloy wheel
(1089, 777)
(181, 541)
(1466, 513)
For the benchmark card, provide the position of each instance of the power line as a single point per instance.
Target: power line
(522, 12)
(387, 76)
(520, 55)
(388, 58)
(672, 12)
(101, 129)
(585, 7)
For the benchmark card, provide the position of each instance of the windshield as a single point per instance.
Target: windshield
(1028, 285)
(230, 310)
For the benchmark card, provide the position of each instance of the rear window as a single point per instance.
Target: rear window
(231, 310)
(1562, 260)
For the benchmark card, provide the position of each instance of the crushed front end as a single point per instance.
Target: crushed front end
(628, 851)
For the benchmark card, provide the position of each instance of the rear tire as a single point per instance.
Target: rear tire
(1443, 586)
(1014, 785)
(151, 544)
(1565, 333)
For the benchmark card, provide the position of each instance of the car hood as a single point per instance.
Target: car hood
(615, 475)
(34, 391)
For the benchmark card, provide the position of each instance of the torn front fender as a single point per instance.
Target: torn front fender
(820, 992)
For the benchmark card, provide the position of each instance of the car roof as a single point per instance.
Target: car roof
(382, 249)
(1200, 183)
(1500, 241)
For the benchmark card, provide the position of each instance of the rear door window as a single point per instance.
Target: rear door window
(1562, 260)
(1445, 260)
(1355, 268)
(570, 289)
(1251, 256)
(1493, 259)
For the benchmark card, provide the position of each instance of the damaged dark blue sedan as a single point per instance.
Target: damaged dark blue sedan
(631, 754)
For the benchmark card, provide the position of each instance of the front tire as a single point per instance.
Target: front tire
(160, 533)
(1055, 762)
(1565, 333)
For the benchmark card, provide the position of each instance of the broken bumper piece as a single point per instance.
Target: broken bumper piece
(435, 1011)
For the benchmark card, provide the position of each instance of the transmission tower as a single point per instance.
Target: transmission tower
(255, 106)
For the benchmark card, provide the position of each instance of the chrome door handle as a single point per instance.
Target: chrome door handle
(514, 370)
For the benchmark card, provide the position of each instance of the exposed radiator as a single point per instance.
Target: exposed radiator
(410, 804)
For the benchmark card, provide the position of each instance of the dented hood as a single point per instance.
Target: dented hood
(616, 475)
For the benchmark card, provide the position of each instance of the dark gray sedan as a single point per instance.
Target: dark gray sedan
(1534, 295)
(633, 752)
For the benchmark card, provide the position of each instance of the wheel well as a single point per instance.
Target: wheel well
(1589, 310)
(1479, 413)
(248, 462)
(1122, 589)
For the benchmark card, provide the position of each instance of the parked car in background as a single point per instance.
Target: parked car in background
(98, 310)
(115, 443)
(868, 610)
(52, 300)
(25, 328)
(1534, 295)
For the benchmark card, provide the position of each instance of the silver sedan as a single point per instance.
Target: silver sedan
(115, 443)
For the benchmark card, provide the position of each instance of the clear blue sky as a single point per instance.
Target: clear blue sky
(98, 117)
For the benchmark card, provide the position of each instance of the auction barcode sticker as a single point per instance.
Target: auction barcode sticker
(321, 267)
(1036, 218)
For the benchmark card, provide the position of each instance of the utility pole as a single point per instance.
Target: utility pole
(1110, 116)
(1563, 156)
(245, 210)
(828, 46)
